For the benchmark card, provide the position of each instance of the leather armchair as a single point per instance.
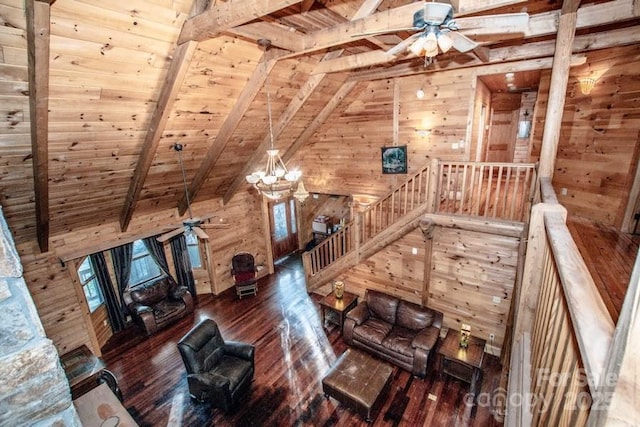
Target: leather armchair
(217, 370)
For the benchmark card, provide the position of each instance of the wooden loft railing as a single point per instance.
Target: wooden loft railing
(487, 190)
(560, 366)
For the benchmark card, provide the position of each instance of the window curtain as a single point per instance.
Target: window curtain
(113, 304)
(156, 250)
(182, 262)
(122, 256)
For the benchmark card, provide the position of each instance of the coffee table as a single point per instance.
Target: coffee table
(462, 363)
(339, 306)
(358, 381)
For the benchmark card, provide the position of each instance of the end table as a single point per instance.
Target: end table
(339, 306)
(462, 363)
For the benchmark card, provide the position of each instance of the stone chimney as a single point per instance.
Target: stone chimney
(33, 388)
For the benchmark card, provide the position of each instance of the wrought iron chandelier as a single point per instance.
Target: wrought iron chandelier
(275, 181)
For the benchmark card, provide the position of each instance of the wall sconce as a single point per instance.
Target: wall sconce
(423, 132)
(586, 85)
(420, 93)
(524, 126)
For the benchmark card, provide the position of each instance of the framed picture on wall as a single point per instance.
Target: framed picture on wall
(394, 159)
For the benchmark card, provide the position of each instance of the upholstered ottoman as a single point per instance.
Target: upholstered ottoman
(359, 382)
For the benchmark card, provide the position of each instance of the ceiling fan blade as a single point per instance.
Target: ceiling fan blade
(403, 45)
(166, 236)
(462, 43)
(215, 225)
(200, 233)
(504, 23)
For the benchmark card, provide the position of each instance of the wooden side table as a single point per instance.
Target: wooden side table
(86, 371)
(462, 363)
(339, 306)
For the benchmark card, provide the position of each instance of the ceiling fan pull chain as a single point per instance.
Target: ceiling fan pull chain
(184, 179)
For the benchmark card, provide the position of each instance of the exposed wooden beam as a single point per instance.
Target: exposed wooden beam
(279, 35)
(367, 7)
(319, 119)
(172, 83)
(225, 15)
(230, 124)
(542, 24)
(38, 34)
(287, 115)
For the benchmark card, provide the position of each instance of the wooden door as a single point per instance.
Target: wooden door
(284, 231)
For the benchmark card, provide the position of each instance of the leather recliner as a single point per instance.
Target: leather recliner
(158, 303)
(218, 371)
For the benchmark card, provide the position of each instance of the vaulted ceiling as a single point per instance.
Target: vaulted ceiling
(114, 84)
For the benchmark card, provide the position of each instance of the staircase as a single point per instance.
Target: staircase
(486, 190)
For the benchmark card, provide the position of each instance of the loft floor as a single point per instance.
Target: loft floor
(610, 257)
(293, 353)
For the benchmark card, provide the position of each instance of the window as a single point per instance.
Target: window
(143, 267)
(90, 286)
(193, 248)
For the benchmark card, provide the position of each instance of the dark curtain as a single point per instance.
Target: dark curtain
(156, 250)
(182, 262)
(122, 265)
(113, 304)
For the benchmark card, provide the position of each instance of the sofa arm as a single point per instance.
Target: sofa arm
(359, 314)
(240, 349)
(178, 292)
(144, 314)
(426, 339)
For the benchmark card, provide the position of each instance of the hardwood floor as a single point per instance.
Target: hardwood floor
(293, 352)
(609, 255)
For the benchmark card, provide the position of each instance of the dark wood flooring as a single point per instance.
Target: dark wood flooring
(609, 255)
(294, 350)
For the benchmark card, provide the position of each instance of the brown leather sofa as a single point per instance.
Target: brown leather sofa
(395, 330)
(158, 303)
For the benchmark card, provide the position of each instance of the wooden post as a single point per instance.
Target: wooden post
(266, 226)
(432, 187)
(358, 233)
(557, 91)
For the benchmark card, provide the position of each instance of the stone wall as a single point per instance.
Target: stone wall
(33, 388)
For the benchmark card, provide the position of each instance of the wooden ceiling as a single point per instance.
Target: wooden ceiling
(114, 84)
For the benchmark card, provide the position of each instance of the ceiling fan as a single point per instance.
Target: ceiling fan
(438, 30)
(191, 224)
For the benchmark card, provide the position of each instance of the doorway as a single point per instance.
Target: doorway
(284, 229)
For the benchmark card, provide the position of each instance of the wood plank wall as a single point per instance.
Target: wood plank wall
(344, 154)
(467, 270)
(503, 127)
(599, 135)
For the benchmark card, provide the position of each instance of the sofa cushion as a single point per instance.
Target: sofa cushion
(150, 293)
(412, 316)
(399, 340)
(382, 305)
(374, 330)
(167, 308)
